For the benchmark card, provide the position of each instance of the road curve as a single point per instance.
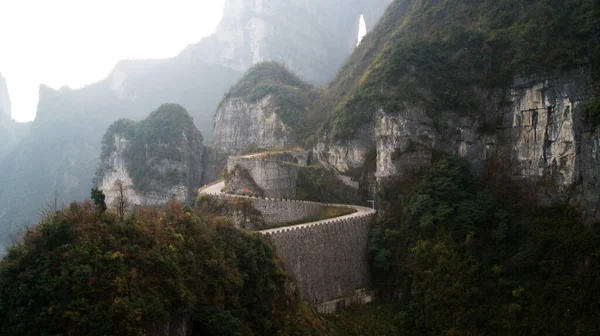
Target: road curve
(215, 189)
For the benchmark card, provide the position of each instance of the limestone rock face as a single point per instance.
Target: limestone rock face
(5, 115)
(239, 124)
(313, 37)
(157, 160)
(11, 131)
(117, 171)
(346, 156)
(535, 129)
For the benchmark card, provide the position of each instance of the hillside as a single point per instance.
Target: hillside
(267, 108)
(511, 86)
(478, 257)
(58, 157)
(312, 37)
(56, 161)
(163, 271)
(439, 52)
(158, 158)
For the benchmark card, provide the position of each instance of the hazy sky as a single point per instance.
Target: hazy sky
(78, 42)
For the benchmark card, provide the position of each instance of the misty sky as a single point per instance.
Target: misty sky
(78, 42)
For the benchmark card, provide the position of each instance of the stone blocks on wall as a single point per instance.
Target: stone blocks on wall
(327, 260)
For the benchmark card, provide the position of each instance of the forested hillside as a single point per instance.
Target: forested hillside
(442, 52)
(85, 271)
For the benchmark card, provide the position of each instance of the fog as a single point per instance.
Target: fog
(77, 42)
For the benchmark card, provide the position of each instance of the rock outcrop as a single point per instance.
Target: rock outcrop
(5, 113)
(410, 95)
(312, 37)
(539, 138)
(266, 109)
(11, 132)
(240, 124)
(156, 161)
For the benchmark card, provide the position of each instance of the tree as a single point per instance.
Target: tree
(99, 200)
(121, 203)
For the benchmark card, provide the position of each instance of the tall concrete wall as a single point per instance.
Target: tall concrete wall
(327, 260)
(276, 179)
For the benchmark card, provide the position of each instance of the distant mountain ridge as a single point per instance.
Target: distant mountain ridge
(60, 154)
(11, 131)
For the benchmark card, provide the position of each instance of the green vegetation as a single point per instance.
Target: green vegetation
(81, 272)
(210, 206)
(591, 114)
(157, 141)
(292, 97)
(476, 261)
(99, 199)
(437, 54)
(317, 184)
(368, 320)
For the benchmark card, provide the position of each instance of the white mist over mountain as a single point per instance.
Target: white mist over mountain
(74, 43)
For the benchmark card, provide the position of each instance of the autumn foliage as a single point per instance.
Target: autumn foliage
(82, 272)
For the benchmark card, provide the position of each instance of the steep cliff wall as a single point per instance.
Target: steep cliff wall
(539, 136)
(4, 102)
(239, 124)
(425, 83)
(267, 108)
(157, 160)
(312, 37)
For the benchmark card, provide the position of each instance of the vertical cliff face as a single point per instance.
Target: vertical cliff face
(539, 136)
(313, 37)
(240, 124)
(156, 160)
(5, 115)
(11, 132)
(267, 108)
(425, 83)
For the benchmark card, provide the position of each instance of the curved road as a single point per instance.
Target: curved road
(215, 189)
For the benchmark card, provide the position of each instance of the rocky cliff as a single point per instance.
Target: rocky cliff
(312, 37)
(267, 108)
(4, 102)
(11, 132)
(156, 160)
(451, 91)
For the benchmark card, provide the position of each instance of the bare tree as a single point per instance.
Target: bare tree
(121, 203)
(50, 206)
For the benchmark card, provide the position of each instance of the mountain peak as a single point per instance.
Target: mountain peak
(5, 113)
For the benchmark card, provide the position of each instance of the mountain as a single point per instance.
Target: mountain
(311, 37)
(57, 158)
(267, 108)
(11, 131)
(56, 161)
(510, 86)
(4, 102)
(156, 160)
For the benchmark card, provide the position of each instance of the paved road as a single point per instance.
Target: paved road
(360, 210)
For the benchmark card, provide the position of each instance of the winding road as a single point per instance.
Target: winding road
(215, 189)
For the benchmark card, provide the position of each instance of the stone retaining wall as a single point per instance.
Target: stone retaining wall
(275, 178)
(327, 260)
(277, 211)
